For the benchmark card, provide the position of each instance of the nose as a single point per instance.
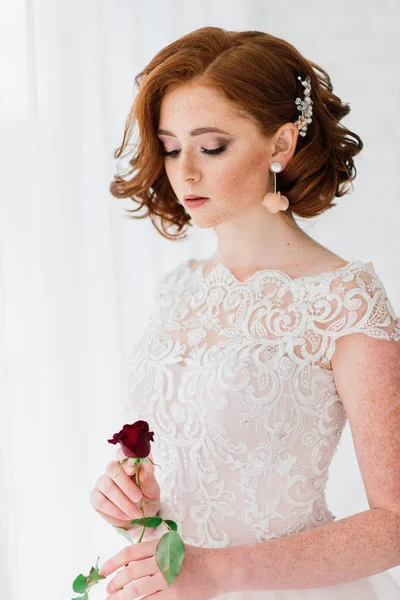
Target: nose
(189, 170)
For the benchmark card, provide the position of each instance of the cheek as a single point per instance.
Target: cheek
(242, 180)
(236, 181)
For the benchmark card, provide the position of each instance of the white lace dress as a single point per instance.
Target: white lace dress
(235, 380)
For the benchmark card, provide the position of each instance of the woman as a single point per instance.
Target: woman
(254, 360)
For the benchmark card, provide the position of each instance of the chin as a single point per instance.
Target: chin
(205, 222)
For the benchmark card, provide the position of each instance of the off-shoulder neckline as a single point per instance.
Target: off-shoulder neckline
(220, 266)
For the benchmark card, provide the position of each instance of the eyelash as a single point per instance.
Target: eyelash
(212, 152)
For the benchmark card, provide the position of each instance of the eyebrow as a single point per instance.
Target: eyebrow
(198, 131)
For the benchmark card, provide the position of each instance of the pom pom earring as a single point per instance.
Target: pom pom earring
(273, 201)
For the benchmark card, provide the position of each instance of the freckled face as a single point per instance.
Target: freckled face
(235, 179)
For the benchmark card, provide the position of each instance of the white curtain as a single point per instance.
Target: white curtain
(77, 279)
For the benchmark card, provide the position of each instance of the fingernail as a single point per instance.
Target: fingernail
(135, 495)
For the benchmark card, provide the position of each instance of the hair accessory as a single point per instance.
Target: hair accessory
(305, 107)
(273, 201)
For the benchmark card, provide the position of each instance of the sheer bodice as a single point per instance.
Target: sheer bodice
(235, 380)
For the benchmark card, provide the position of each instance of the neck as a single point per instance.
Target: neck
(261, 243)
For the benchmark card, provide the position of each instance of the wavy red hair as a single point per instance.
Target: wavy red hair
(258, 73)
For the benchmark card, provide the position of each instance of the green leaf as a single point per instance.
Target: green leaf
(147, 521)
(123, 532)
(84, 597)
(80, 584)
(95, 575)
(170, 553)
(172, 524)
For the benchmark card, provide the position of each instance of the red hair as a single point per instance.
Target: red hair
(259, 74)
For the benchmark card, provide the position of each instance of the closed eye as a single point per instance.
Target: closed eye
(174, 154)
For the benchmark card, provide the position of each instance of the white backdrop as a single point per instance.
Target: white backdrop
(77, 280)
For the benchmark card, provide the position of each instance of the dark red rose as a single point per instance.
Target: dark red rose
(134, 439)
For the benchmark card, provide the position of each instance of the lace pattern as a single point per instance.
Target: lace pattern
(235, 379)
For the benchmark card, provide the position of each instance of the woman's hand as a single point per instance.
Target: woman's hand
(196, 580)
(116, 497)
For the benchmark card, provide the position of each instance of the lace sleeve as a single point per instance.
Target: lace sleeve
(162, 285)
(362, 306)
(166, 284)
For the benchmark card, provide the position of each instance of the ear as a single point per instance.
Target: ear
(285, 143)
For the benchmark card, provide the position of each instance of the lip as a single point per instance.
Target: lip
(193, 203)
(194, 197)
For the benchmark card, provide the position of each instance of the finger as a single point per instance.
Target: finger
(125, 482)
(104, 506)
(136, 552)
(117, 495)
(124, 523)
(148, 487)
(149, 587)
(149, 484)
(128, 468)
(133, 571)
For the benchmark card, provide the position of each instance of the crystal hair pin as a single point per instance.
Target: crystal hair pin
(304, 106)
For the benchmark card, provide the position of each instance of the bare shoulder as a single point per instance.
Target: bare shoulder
(321, 261)
(307, 261)
(311, 260)
(329, 262)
